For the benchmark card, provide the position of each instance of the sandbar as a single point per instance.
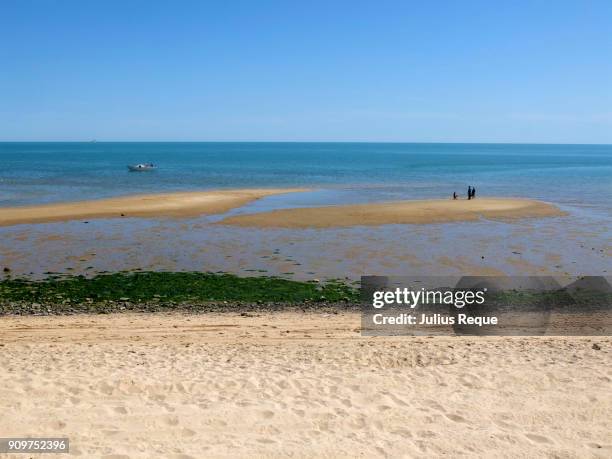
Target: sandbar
(181, 204)
(398, 212)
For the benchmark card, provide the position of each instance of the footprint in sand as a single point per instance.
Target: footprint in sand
(74, 390)
(402, 433)
(538, 438)
(434, 405)
(106, 388)
(456, 418)
(469, 380)
(57, 425)
(504, 425)
(171, 420)
(397, 400)
(266, 440)
(359, 423)
(188, 433)
(218, 423)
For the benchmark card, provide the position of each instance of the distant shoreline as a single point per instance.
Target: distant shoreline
(392, 142)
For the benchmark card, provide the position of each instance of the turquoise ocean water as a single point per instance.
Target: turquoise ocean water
(341, 172)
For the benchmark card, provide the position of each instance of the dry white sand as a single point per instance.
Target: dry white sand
(399, 212)
(149, 205)
(300, 385)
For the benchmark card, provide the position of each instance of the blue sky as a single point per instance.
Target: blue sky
(446, 71)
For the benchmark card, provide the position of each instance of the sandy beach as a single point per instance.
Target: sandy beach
(298, 384)
(150, 205)
(312, 230)
(400, 212)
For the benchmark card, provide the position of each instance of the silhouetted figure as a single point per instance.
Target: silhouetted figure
(473, 192)
(454, 195)
(469, 192)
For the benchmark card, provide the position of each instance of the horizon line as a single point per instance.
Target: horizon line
(306, 141)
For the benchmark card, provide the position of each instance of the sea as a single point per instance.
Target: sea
(576, 178)
(33, 173)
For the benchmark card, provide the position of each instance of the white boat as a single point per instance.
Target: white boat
(141, 167)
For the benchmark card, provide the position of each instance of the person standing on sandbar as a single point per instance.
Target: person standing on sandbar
(473, 192)
(469, 192)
